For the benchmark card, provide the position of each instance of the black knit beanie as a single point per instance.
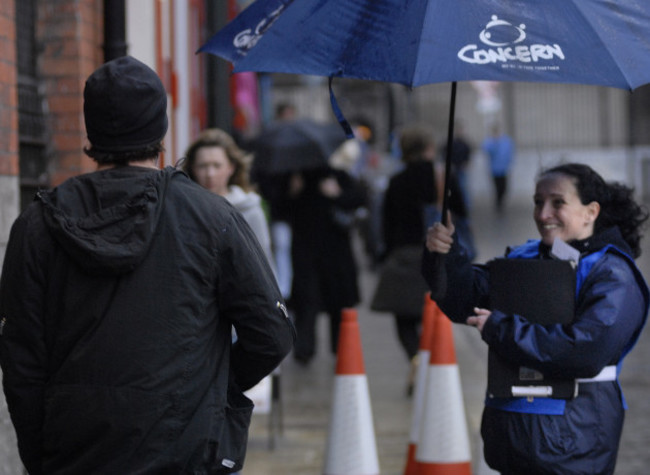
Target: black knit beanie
(125, 106)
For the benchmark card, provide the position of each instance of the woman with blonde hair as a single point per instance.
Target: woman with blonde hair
(215, 162)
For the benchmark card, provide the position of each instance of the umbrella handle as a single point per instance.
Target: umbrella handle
(450, 146)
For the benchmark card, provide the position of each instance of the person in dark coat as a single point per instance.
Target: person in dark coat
(411, 203)
(546, 435)
(412, 194)
(118, 293)
(461, 154)
(322, 202)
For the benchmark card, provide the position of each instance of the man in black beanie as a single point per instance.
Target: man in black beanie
(117, 297)
(125, 110)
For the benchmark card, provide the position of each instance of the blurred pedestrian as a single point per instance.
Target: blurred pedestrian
(366, 170)
(579, 434)
(500, 149)
(272, 188)
(216, 163)
(461, 153)
(285, 111)
(412, 195)
(117, 297)
(322, 203)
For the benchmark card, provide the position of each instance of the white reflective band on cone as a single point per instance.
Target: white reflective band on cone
(443, 436)
(351, 446)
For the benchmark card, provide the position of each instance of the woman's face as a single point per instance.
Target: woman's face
(559, 213)
(212, 169)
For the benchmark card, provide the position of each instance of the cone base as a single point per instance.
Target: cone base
(412, 467)
(463, 468)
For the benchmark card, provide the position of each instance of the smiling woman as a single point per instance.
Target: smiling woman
(559, 212)
(549, 434)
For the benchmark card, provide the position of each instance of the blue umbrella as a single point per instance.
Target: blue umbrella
(415, 42)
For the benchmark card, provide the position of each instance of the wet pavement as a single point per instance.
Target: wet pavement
(293, 441)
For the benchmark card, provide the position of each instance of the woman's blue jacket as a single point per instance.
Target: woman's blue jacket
(580, 435)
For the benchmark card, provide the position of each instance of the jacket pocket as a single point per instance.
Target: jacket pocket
(233, 439)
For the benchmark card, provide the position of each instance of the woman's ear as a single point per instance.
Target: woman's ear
(593, 210)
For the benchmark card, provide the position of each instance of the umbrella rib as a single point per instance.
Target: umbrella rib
(417, 54)
(606, 48)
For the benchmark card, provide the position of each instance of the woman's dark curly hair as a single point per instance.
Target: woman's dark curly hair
(617, 204)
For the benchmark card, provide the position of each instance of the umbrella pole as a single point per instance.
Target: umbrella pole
(439, 286)
(450, 146)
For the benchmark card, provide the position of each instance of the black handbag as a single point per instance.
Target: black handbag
(401, 287)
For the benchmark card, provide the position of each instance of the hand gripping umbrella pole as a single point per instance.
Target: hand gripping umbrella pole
(439, 285)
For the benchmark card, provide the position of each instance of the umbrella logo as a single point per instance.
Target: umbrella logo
(499, 33)
(248, 38)
(504, 41)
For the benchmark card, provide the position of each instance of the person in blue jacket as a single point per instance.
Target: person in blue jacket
(545, 435)
(500, 149)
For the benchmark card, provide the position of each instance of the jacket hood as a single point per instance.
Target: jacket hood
(242, 200)
(105, 220)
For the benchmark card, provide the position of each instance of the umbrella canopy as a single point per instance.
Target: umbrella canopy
(415, 42)
(296, 145)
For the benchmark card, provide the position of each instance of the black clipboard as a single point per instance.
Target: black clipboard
(542, 291)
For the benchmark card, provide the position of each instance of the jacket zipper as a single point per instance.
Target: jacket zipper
(3, 320)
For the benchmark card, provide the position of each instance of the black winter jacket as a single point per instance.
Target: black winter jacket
(118, 292)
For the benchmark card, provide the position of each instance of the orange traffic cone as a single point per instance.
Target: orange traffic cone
(429, 310)
(351, 445)
(443, 447)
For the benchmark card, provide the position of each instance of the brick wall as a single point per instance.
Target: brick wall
(8, 91)
(9, 170)
(9, 460)
(71, 35)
